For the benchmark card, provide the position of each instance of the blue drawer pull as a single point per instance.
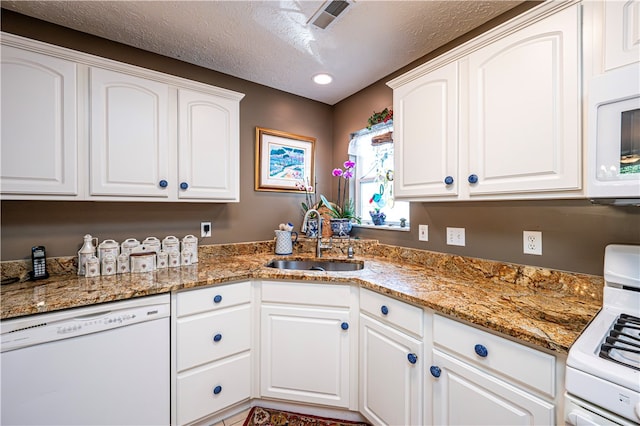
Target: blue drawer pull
(217, 390)
(184, 185)
(435, 371)
(448, 180)
(217, 337)
(413, 358)
(345, 325)
(384, 310)
(217, 298)
(481, 350)
(163, 183)
(473, 178)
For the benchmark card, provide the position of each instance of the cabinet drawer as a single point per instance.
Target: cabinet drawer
(212, 336)
(522, 364)
(392, 311)
(212, 298)
(306, 293)
(195, 389)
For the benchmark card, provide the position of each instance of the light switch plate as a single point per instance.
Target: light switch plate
(423, 232)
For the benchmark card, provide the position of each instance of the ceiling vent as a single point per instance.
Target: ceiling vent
(328, 13)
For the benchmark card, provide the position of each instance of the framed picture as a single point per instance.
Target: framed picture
(282, 160)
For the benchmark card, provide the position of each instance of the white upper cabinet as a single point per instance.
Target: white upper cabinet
(80, 127)
(39, 124)
(621, 33)
(208, 148)
(524, 110)
(427, 124)
(496, 118)
(129, 144)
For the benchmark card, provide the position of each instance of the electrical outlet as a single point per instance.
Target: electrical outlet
(423, 232)
(532, 242)
(205, 229)
(455, 236)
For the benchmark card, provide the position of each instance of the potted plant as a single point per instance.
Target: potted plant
(342, 212)
(377, 216)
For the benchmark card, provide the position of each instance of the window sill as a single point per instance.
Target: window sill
(385, 227)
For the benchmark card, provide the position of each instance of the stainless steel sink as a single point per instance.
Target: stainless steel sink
(316, 265)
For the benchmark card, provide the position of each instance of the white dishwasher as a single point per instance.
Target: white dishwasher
(106, 364)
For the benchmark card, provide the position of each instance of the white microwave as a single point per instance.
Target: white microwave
(613, 144)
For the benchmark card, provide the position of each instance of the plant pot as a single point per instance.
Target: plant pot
(312, 228)
(378, 218)
(341, 227)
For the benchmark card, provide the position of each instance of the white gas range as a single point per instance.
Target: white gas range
(603, 366)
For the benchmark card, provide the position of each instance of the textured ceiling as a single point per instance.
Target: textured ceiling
(270, 42)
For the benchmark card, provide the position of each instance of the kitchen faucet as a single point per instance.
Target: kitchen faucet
(319, 245)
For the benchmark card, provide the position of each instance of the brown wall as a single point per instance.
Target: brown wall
(60, 225)
(574, 232)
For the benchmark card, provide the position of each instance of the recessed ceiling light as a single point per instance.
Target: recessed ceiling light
(322, 78)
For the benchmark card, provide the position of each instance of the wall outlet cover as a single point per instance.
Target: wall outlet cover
(455, 237)
(532, 242)
(423, 232)
(205, 229)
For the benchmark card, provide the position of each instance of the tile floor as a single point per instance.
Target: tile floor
(237, 420)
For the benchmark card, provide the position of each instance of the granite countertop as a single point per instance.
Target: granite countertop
(542, 307)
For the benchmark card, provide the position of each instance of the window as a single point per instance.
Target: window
(372, 151)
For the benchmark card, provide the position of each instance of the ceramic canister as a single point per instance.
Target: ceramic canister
(92, 267)
(108, 264)
(123, 263)
(128, 245)
(108, 247)
(171, 244)
(142, 262)
(174, 259)
(190, 242)
(152, 243)
(186, 257)
(163, 260)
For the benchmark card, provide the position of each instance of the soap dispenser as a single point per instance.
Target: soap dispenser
(88, 249)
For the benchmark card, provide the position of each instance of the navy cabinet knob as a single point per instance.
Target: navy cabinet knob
(473, 178)
(384, 310)
(435, 371)
(448, 180)
(413, 358)
(481, 350)
(184, 185)
(217, 337)
(217, 390)
(217, 298)
(345, 325)
(163, 183)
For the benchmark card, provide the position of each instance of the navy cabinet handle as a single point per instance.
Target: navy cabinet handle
(473, 178)
(217, 298)
(413, 358)
(435, 371)
(345, 325)
(217, 390)
(384, 310)
(448, 180)
(184, 185)
(481, 350)
(217, 337)
(163, 183)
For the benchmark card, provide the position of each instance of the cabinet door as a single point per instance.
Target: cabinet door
(208, 146)
(463, 395)
(130, 150)
(390, 384)
(39, 119)
(524, 109)
(621, 33)
(305, 354)
(426, 134)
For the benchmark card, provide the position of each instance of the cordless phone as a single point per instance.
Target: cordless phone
(39, 261)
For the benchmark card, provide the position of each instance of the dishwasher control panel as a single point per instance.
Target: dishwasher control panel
(43, 328)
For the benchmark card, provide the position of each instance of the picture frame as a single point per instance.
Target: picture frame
(283, 160)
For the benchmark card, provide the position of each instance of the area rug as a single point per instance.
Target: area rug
(260, 416)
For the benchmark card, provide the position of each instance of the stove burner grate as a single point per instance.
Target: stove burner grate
(622, 345)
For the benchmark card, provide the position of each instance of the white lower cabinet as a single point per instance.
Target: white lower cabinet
(391, 361)
(482, 379)
(211, 339)
(308, 338)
